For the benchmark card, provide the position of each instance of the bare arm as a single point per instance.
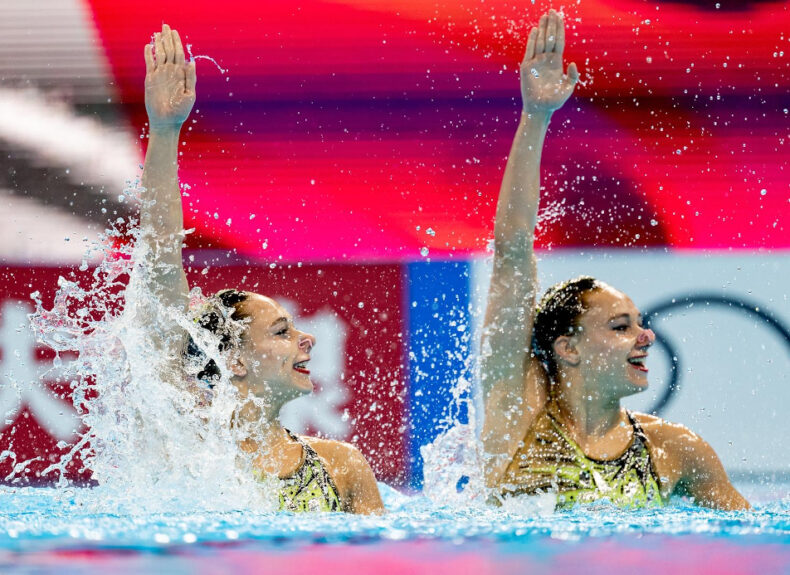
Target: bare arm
(704, 478)
(513, 384)
(688, 465)
(365, 498)
(356, 483)
(169, 97)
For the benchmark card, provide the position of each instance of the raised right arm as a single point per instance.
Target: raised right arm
(513, 384)
(169, 97)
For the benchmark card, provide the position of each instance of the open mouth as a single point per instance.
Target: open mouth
(301, 367)
(638, 363)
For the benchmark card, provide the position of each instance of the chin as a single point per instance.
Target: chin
(637, 386)
(303, 385)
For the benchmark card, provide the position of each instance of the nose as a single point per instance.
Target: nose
(306, 342)
(646, 337)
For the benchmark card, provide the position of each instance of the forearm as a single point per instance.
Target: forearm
(519, 195)
(161, 215)
(707, 483)
(161, 211)
(511, 298)
(703, 476)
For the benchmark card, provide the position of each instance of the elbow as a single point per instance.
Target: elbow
(512, 244)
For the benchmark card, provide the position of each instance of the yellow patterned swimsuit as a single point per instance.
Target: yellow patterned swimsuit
(551, 462)
(309, 488)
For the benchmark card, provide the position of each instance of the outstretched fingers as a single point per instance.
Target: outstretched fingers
(159, 49)
(559, 44)
(178, 48)
(167, 40)
(551, 31)
(540, 44)
(533, 37)
(191, 78)
(150, 63)
(573, 73)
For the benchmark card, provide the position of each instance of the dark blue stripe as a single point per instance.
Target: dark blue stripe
(439, 328)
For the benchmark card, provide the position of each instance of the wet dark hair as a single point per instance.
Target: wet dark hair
(558, 314)
(214, 319)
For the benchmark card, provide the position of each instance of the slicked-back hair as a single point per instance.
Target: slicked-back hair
(215, 320)
(558, 314)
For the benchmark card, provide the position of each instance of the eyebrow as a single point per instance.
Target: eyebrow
(278, 320)
(639, 318)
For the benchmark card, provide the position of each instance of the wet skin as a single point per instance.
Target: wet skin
(613, 344)
(272, 359)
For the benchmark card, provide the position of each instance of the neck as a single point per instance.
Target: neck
(260, 424)
(264, 437)
(583, 408)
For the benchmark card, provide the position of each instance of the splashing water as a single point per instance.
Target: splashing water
(454, 462)
(153, 442)
(551, 213)
(204, 57)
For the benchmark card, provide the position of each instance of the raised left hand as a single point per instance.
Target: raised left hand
(169, 81)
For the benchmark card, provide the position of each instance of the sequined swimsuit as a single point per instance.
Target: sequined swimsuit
(551, 462)
(309, 488)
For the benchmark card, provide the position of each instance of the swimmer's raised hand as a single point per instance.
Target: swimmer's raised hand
(544, 86)
(169, 81)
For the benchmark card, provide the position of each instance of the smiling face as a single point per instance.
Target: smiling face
(273, 355)
(611, 346)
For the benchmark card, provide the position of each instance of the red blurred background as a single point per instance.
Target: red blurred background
(362, 124)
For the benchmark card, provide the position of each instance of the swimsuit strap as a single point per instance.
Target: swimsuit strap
(641, 437)
(638, 431)
(310, 475)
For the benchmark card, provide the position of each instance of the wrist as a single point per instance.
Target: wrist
(163, 129)
(537, 116)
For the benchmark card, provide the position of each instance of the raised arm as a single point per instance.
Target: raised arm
(513, 384)
(169, 97)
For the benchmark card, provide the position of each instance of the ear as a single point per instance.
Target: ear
(565, 350)
(237, 366)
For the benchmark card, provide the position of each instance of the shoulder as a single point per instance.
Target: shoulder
(352, 474)
(676, 440)
(689, 464)
(663, 430)
(342, 458)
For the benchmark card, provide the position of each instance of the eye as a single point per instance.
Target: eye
(282, 331)
(623, 327)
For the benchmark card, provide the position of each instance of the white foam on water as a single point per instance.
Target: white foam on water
(155, 441)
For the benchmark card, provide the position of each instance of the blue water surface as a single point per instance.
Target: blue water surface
(41, 531)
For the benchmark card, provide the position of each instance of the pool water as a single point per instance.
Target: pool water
(41, 531)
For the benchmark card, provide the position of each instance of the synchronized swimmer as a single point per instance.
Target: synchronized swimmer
(269, 360)
(552, 374)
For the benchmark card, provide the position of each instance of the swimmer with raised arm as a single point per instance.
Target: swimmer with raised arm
(269, 358)
(553, 375)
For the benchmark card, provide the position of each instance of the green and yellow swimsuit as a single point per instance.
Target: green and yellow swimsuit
(549, 461)
(309, 488)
